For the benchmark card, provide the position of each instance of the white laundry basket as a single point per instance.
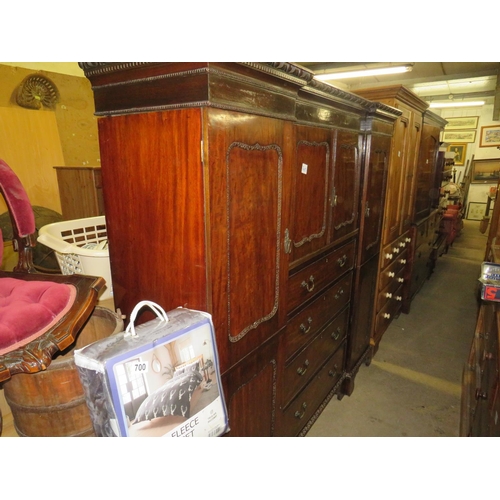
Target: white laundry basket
(80, 246)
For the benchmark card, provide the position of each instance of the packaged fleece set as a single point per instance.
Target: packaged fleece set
(160, 378)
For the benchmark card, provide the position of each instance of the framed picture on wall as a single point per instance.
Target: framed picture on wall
(459, 136)
(462, 123)
(490, 136)
(460, 151)
(476, 210)
(486, 171)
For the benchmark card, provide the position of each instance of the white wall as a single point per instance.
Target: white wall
(477, 192)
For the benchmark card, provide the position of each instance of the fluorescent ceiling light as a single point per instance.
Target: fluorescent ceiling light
(364, 72)
(461, 104)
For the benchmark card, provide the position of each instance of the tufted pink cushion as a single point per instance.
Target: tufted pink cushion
(29, 308)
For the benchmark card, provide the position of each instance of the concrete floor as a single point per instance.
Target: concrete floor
(413, 385)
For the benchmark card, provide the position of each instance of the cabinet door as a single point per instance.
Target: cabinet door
(375, 178)
(152, 172)
(392, 217)
(310, 198)
(248, 171)
(410, 170)
(345, 191)
(250, 390)
(427, 190)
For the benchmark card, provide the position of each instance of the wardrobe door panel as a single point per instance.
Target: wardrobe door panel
(375, 181)
(152, 172)
(394, 194)
(310, 209)
(248, 177)
(250, 390)
(345, 191)
(410, 175)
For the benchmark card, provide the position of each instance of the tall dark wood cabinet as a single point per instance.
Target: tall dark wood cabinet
(394, 273)
(235, 188)
(378, 127)
(427, 215)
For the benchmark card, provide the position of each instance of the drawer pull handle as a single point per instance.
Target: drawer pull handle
(304, 328)
(481, 394)
(306, 285)
(340, 292)
(298, 414)
(400, 280)
(388, 255)
(399, 298)
(388, 295)
(391, 274)
(408, 240)
(395, 250)
(342, 260)
(333, 373)
(402, 244)
(301, 371)
(337, 333)
(387, 315)
(403, 261)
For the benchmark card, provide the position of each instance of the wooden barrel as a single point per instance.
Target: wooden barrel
(52, 402)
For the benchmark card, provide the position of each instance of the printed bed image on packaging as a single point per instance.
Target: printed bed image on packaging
(163, 381)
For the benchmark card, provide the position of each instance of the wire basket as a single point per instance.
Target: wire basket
(81, 247)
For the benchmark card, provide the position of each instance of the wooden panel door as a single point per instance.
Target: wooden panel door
(410, 170)
(427, 193)
(151, 167)
(310, 199)
(394, 194)
(346, 183)
(248, 169)
(374, 188)
(250, 390)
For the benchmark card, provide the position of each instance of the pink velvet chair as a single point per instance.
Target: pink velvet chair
(40, 314)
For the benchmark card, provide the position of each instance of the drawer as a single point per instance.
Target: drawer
(386, 315)
(391, 292)
(393, 272)
(391, 253)
(303, 367)
(305, 405)
(308, 322)
(314, 278)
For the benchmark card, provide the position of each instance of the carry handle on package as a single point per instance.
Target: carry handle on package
(158, 310)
